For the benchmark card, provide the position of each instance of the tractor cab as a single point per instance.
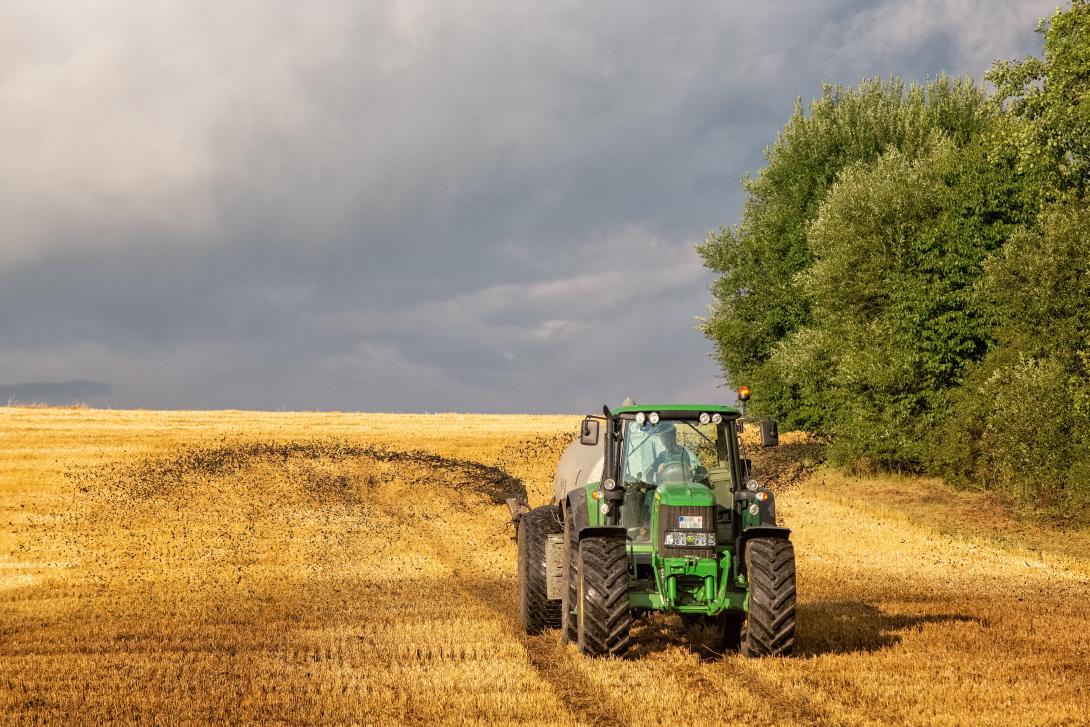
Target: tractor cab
(676, 452)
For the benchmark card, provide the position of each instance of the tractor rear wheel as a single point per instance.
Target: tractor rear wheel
(568, 621)
(604, 614)
(769, 629)
(536, 611)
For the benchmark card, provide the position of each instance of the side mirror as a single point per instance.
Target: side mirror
(588, 435)
(770, 433)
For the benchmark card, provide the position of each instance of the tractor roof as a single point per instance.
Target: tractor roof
(678, 411)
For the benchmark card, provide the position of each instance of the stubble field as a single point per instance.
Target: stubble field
(179, 567)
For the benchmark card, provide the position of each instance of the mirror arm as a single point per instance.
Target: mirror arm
(609, 468)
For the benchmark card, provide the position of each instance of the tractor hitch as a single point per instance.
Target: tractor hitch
(518, 507)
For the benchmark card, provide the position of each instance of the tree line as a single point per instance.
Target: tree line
(911, 274)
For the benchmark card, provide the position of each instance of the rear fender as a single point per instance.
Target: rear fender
(575, 505)
(602, 531)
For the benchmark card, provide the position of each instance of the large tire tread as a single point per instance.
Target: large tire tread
(605, 616)
(770, 626)
(536, 611)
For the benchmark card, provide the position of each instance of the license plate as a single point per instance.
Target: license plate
(690, 522)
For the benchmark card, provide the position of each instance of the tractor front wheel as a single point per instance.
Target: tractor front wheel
(604, 616)
(536, 611)
(769, 629)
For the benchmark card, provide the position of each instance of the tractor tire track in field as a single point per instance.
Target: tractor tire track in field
(555, 664)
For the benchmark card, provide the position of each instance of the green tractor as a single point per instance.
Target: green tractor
(654, 510)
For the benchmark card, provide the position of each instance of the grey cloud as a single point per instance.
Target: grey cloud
(405, 205)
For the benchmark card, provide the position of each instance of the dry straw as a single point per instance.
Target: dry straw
(333, 568)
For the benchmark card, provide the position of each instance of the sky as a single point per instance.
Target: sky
(405, 206)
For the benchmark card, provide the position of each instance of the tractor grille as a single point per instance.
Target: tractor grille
(669, 519)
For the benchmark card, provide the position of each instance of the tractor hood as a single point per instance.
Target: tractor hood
(685, 494)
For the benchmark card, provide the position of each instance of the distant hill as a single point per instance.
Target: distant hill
(53, 392)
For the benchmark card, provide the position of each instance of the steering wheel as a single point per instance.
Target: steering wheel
(675, 472)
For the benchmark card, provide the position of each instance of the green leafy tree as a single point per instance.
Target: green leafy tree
(1053, 95)
(1023, 418)
(898, 246)
(757, 301)
(1021, 422)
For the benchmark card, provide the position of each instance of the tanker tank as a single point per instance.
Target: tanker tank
(580, 465)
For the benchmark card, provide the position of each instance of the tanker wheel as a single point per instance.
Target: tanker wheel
(568, 620)
(604, 613)
(536, 611)
(769, 629)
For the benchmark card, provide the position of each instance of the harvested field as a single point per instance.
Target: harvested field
(317, 568)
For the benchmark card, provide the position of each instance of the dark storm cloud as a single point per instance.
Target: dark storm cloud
(405, 206)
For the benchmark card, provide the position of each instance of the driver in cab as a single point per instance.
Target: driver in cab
(672, 453)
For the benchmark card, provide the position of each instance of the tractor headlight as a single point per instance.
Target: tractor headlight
(752, 485)
(653, 417)
(717, 418)
(609, 484)
(753, 509)
(693, 540)
(604, 508)
(640, 418)
(705, 417)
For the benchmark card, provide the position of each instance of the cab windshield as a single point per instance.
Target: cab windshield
(655, 454)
